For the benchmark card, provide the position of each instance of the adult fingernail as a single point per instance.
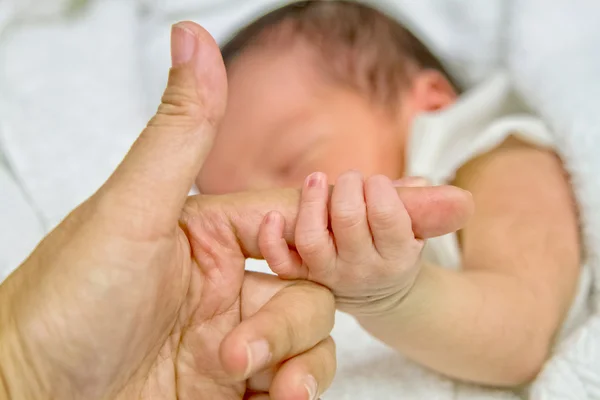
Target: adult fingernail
(259, 355)
(310, 383)
(183, 45)
(411, 181)
(316, 180)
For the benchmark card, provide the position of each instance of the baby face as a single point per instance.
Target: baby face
(286, 120)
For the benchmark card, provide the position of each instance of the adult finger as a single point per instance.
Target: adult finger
(437, 210)
(306, 376)
(296, 318)
(349, 217)
(411, 181)
(159, 170)
(434, 211)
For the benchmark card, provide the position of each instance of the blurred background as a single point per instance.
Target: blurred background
(80, 78)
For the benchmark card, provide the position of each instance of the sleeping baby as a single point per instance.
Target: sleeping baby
(335, 86)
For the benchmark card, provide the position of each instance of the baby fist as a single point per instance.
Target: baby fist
(360, 244)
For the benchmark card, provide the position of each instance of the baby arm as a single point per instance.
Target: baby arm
(493, 322)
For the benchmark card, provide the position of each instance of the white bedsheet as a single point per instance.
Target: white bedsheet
(74, 93)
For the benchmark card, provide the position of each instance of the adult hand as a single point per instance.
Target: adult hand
(132, 298)
(112, 304)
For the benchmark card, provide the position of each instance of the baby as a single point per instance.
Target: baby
(334, 86)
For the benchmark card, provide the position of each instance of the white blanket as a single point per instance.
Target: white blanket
(74, 93)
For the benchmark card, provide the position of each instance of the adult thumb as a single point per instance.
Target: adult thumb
(159, 170)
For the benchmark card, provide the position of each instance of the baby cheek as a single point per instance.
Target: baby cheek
(217, 181)
(365, 154)
(335, 161)
(367, 166)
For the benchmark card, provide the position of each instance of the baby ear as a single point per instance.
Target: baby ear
(431, 91)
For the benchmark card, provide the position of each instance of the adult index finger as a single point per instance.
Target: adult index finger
(434, 211)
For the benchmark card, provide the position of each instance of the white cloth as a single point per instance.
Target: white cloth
(74, 92)
(21, 227)
(65, 123)
(552, 54)
(442, 142)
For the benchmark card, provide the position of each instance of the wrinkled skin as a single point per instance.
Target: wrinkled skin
(114, 303)
(141, 292)
(169, 343)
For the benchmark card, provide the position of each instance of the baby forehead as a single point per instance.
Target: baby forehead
(352, 44)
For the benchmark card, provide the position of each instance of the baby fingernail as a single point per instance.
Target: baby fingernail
(316, 180)
(259, 355)
(272, 217)
(411, 181)
(312, 388)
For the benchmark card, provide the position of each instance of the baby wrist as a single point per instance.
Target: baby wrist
(372, 305)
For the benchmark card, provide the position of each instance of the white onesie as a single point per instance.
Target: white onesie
(442, 142)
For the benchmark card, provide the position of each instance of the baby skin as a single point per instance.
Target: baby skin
(370, 257)
(360, 244)
(336, 86)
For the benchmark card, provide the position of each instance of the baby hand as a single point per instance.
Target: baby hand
(370, 257)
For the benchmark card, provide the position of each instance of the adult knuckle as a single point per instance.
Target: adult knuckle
(208, 231)
(293, 337)
(177, 100)
(320, 305)
(325, 352)
(192, 208)
(330, 344)
(330, 349)
(314, 307)
(281, 332)
(324, 295)
(178, 107)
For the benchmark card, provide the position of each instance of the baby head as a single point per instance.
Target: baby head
(320, 86)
